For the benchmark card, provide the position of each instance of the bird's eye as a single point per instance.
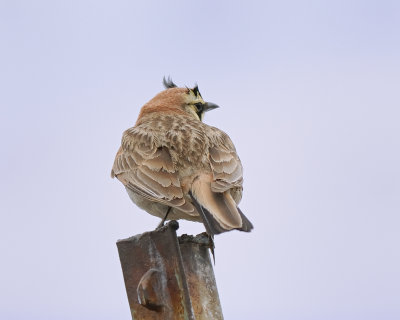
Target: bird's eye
(199, 107)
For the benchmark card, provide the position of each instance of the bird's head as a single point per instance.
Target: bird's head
(179, 100)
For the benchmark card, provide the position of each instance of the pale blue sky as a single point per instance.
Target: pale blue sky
(309, 93)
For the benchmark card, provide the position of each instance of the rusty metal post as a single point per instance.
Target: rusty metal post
(167, 278)
(200, 277)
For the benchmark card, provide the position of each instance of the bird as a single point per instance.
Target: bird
(175, 166)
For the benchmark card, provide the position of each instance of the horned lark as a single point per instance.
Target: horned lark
(174, 166)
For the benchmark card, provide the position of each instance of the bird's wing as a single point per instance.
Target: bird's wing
(146, 167)
(211, 193)
(225, 164)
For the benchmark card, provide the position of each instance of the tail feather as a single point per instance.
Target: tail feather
(213, 226)
(247, 226)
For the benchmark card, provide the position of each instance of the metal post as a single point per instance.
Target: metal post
(169, 278)
(200, 277)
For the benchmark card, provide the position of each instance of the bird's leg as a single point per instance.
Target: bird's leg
(163, 220)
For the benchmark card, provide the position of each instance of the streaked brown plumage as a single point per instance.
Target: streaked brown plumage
(172, 163)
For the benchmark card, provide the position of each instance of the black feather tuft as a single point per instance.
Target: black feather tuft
(196, 91)
(168, 83)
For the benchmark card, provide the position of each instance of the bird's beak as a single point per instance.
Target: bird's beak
(210, 106)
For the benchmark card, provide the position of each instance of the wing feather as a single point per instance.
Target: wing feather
(146, 167)
(225, 163)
